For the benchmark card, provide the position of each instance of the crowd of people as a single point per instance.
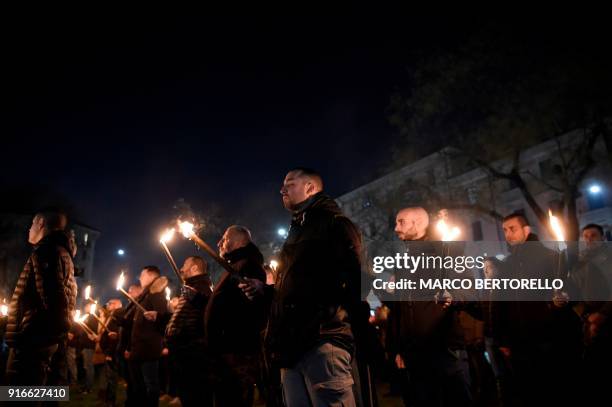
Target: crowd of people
(303, 335)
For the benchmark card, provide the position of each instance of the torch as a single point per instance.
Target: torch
(447, 234)
(168, 297)
(128, 296)
(557, 229)
(81, 321)
(4, 308)
(187, 231)
(165, 238)
(92, 312)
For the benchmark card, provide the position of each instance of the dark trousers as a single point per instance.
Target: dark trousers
(111, 376)
(235, 376)
(145, 381)
(193, 385)
(437, 378)
(29, 366)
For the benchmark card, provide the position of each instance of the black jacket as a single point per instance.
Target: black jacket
(233, 322)
(110, 345)
(146, 341)
(40, 312)
(186, 326)
(521, 319)
(417, 323)
(318, 282)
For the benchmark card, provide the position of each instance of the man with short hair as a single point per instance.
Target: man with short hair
(185, 335)
(316, 294)
(426, 338)
(147, 337)
(40, 312)
(234, 323)
(540, 339)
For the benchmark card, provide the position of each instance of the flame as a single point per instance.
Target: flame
(87, 292)
(273, 265)
(167, 236)
(186, 229)
(4, 310)
(447, 233)
(555, 225)
(168, 293)
(92, 308)
(77, 315)
(120, 281)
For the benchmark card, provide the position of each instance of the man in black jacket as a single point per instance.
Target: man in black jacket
(185, 334)
(234, 323)
(309, 334)
(40, 312)
(540, 339)
(426, 339)
(146, 338)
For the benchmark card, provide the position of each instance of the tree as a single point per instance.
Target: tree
(494, 96)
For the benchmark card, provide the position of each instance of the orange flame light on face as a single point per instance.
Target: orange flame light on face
(447, 233)
(120, 281)
(186, 229)
(556, 227)
(167, 236)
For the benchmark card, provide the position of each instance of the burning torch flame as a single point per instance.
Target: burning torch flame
(448, 234)
(120, 281)
(87, 292)
(186, 229)
(168, 293)
(167, 236)
(77, 315)
(273, 265)
(4, 308)
(555, 225)
(92, 308)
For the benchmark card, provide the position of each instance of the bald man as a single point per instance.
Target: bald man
(425, 337)
(411, 224)
(234, 322)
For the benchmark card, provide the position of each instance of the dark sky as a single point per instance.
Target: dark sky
(126, 114)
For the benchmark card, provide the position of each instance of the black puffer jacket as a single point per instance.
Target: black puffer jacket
(40, 312)
(233, 322)
(318, 281)
(186, 326)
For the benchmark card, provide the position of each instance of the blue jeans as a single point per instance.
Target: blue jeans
(322, 378)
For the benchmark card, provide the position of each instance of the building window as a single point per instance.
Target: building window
(477, 231)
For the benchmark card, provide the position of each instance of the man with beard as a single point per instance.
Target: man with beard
(539, 337)
(40, 312)
(316, 293)
(427, 340)
(234, 323)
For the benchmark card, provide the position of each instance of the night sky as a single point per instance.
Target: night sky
(123, 115)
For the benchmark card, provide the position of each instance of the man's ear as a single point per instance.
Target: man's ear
(310, 188)
(527, 230)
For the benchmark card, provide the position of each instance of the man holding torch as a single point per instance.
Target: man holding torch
(146, 339)
(533, 333)
(234, 323)
(316, 292)
(185, 336)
